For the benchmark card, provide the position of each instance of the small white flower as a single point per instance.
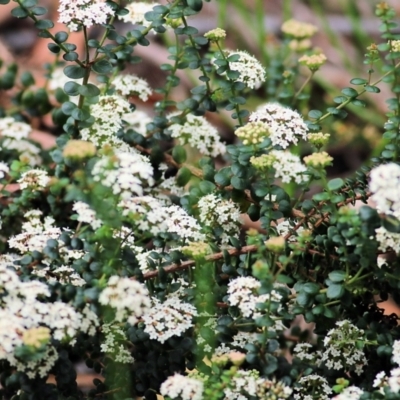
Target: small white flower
(183, 387)
(200, 134)
(86, 214)
(4, 169)
(171, 318)
(285, 125)
(129, 85)
(124, 172)
(349, 393)
(34, 179)
(129, 298)
(75, 13)
(385, 187)
(250, 70)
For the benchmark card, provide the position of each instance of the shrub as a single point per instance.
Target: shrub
(123, 246)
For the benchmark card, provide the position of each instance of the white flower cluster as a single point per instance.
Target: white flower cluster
(34, 179)
(243, 293)
(114, 344)
(178, 221)
(251, 72)
(86, 214)
(200, 134)
(396, 352)
(66, 275)
(219, 213)
(21, 311)
(151, 216)
(4, 169)
(182, 387)
(349, 393)
(287, 166)
(130, 85)
(285, 125)
(248, 383)
(136, 13)
(304, 352)
(341, 351)
(312, 387)
(34, 237)
(108, 114)
(171, 318)
(240, 340)
(129, 298)
(124, 173)
(76, 13)
(385, 187)
(14, 135)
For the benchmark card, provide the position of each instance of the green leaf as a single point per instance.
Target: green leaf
(61, 36)
(335, 291)
(238, 183)
(372, 89)
(71, 56)
(89, 90)
(350, 92)
(337, 276)
(40, 11)
(391, 224)
(179, 154)
(335, 184)
(44, 24)
(102, 67)
(358, 81)
(359, 103)
(315, 114)
(68, 107)
(19, 12)
(72, 88)
(183, 177)
(311, 288)
(223, 177)
(74, 71)
(80, 115)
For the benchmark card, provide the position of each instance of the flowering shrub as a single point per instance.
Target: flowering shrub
(124, 246)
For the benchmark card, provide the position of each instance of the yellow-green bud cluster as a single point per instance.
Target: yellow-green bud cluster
(196, 249)
(298, 30)
(79, 149)
(253, 132)
(318, 139)
(318, 160)
(215, 34)
(36, 337)
(275, 244)
(263, 162)
(300, 45)
(313, 62)
(394, 45)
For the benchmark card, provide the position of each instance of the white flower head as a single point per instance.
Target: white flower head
(171, 318)
(130, 85)
(76, 13)
(200, 134)
(286, 126)
(128, 297)
(124, 172)
(217, 212)
(250, 70)
(34, 179)
(183, 387)
(385, 187)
